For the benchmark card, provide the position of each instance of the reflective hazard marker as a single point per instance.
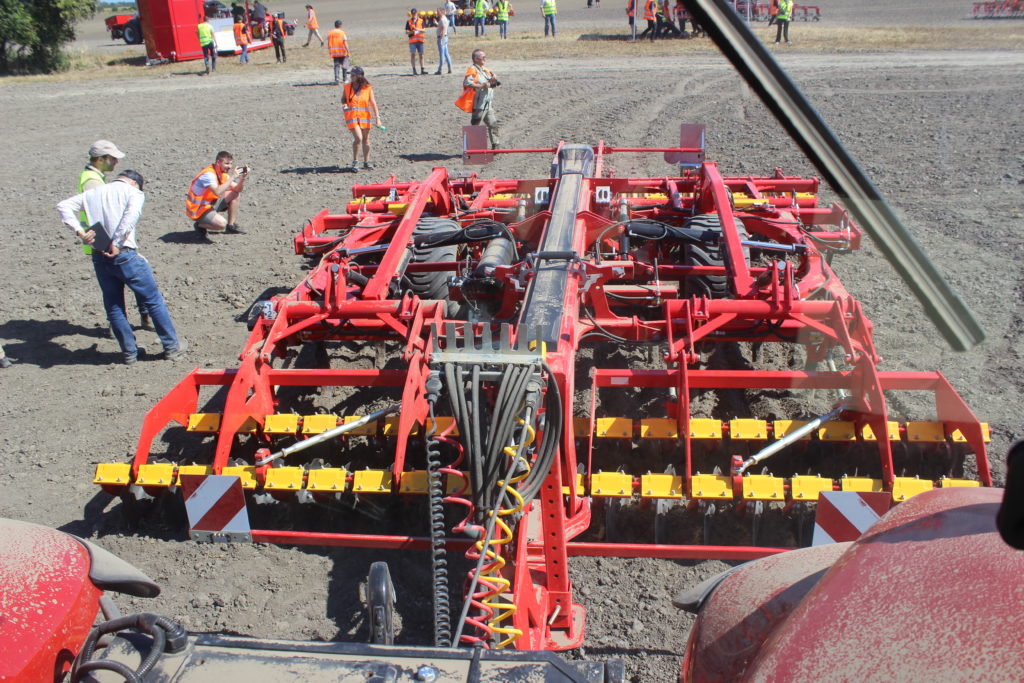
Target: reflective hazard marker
(845, 515)
(216, 508)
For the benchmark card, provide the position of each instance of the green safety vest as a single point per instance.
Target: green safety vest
(502, 8)
(205, 34)
(785, 10)
(85, 176)
(549, 7)
(479, 9)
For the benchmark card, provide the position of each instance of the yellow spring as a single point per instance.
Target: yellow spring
(501, 610)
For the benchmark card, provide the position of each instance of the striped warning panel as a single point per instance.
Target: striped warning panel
(216, 507)
(845, 515)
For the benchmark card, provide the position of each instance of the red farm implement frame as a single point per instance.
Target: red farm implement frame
(511, 393)
(999, 9)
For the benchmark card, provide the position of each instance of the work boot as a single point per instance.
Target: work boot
(140, 353)
(177, 352)
(235, 229)
(146, 323)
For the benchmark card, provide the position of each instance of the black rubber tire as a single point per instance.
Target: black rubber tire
(432, 285)
(709, 286)
(380, 599)
(132, 32)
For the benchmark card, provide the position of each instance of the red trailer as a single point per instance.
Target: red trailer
(169, 29)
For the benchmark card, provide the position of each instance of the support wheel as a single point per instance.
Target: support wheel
(380, 598)
(709, 286)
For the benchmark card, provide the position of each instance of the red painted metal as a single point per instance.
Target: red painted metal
(47, 602)
(612, 286)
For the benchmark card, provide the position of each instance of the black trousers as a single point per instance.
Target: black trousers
(782, 30)
(279, 50)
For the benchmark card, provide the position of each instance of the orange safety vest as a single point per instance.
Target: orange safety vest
(357, 107)
(241, 34)
(631, 7)
(649, 9)
(311, 20)
(336, 43)
(415, 30)
(197, 205)
(773, 8)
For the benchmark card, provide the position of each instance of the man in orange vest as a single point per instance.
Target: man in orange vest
(242, 39)
(277, 34)
(631, 6)
(214, 190)
(337, 45)
(414, 29)
(650, 12)
(313, 25)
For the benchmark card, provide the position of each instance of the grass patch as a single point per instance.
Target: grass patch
(524, 46)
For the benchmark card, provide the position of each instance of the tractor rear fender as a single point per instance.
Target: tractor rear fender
(739, 608)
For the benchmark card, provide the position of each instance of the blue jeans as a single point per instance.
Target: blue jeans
(129, 268)
(244, 58)
(442, 54)
(503, 29)
(478, 26)
(549, 20)
(451, 23)
(209, 55)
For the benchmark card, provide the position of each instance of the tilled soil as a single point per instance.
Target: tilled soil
(934, 130)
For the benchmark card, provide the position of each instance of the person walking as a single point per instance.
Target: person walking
(482, 82)
(114, 211)
(782, 20)
(358, 105)
(631, 7)
(549, 9)
(337, 45)
(449, 11)
(103, 157)
(501, 10)
(479, 17)
(650, 11)
(242, 40)
(442, 42)
(313, 25)
(208, 43)
(277, 35)
(215, 190)
(414, 29)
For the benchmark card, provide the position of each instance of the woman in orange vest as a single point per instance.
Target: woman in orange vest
(242, 39)
(358, 105)
(314, 26)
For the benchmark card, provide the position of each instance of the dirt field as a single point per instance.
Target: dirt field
(935, 130)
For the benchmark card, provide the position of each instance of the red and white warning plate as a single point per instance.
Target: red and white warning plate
(845, 515)
(216, 508)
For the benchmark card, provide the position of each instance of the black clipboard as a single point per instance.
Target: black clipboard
(102, 242)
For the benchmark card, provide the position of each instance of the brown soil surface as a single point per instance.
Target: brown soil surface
(935, 131)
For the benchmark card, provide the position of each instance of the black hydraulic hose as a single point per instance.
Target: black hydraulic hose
(474, 420)
(154, 625)
(553, 426)
(108, 665)
(460, 410)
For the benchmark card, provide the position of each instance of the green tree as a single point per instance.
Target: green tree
(33, 32)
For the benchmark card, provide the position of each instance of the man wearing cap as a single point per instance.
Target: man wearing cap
(214, 190)
(103, 157)
(414, 29)
(337, 45)
(482, 81)
(115, 209)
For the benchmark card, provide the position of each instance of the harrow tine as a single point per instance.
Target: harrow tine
(756, 518)
(709, 520)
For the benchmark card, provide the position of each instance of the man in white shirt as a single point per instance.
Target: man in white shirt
(115, 210)
(442, 42)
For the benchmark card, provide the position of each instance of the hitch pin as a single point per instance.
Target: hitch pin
(325, 436)
(795, 435)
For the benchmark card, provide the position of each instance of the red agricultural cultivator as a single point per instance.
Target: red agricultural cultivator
(525, 370)
(998, 9)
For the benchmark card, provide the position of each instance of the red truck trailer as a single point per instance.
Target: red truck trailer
(169, 29)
